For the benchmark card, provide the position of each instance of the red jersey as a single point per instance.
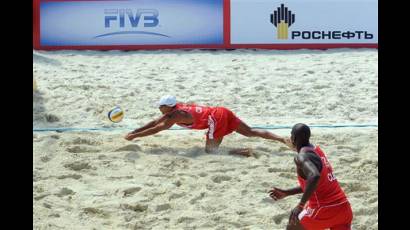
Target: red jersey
(328, 190)
(199, 113)
(219, 121)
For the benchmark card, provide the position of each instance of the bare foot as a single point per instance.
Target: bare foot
(243, 152)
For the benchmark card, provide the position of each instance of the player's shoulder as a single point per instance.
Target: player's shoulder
(305, 156)
(300, 157)
(176, 114)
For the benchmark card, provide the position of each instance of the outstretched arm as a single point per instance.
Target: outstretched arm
(153, 127)
(150, 131)
(151, 124)
(147, 126)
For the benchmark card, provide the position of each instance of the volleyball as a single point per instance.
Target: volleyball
(116, 114)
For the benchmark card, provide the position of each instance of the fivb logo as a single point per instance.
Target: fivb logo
(116, 18)
(150, 17)
(282, 19)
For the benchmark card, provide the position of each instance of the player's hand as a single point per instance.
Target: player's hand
(277, 193)
(129, 136)
(288, 143)
(294, 215)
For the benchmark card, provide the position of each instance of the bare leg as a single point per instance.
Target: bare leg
(247, 131)
(212, 145)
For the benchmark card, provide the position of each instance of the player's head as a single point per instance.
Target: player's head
(167, 103)
(300, 135)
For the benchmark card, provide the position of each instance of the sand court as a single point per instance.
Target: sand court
(98, 180)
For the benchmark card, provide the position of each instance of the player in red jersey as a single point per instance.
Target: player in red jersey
(328, 207)
(219, 121)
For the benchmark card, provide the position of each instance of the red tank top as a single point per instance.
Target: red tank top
(200, 114)
(328, 190)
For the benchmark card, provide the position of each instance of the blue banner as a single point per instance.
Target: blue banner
(131, 22)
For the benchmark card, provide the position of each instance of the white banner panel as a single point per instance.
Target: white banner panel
(313, 21)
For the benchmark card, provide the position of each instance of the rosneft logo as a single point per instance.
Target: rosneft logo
(282, 19)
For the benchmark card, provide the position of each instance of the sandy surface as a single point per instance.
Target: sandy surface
(98, 180)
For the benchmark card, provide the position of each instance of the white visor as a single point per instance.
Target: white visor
(168, 100)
